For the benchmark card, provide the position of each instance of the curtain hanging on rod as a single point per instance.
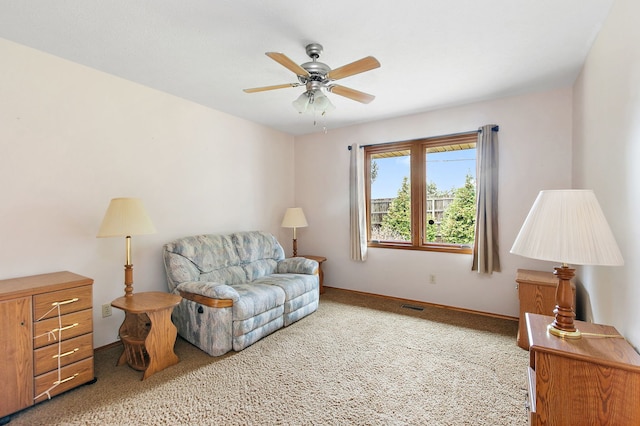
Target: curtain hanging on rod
(358, 231)
(486, 258)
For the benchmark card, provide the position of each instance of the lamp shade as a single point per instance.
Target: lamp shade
(294, 218)
(567, 226)
(313, 101)
(321, 103)
(301, 103)
(125, 217)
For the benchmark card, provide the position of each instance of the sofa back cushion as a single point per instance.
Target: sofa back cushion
(210, 258)
(207, 252)
(257, 245)
(259, 253)
(226, 259)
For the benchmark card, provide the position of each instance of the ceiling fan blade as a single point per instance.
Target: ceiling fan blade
(362, 65)
(284, 60)
(356, 95)
(265, 88)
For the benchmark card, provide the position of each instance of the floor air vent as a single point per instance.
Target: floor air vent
(414, 307)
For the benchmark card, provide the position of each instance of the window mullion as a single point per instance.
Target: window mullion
(417, 190)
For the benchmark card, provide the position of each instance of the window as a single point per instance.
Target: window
(421, 194)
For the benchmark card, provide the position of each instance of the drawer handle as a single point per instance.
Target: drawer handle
(65, 302)
(65, 328)
(66, 353)
(59, 382)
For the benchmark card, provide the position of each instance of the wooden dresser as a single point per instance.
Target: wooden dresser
(47, 336)
(537, 295)
(588, 381)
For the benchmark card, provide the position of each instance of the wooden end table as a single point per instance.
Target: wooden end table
(147, 333)
(591, 380)
(318, 259)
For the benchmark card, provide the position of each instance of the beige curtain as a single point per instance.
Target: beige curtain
(486, 258)
(358, 230)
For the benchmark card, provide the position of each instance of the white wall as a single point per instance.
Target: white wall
(72, 138)
(535, 154)
(606, 158)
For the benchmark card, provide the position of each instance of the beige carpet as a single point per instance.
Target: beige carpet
(359, 360)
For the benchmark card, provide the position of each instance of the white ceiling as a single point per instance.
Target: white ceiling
(434, 53)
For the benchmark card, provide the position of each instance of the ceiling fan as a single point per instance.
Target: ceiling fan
(316, 76)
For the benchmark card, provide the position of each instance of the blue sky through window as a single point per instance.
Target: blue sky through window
(446, 169)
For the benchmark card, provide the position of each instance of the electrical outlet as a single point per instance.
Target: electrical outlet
(106, 310)
(432, 279)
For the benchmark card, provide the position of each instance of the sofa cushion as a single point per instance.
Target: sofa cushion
(259, 268)
(293, 285)
(255, 299)
(230, 275)
(241, 341)
(300, 301)
(246, 326)
(299, 308)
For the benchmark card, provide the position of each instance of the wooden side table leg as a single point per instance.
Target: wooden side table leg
(160, 341)
(123, 356)
(321, 277)
(129, 327)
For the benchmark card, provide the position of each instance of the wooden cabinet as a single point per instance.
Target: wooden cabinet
(47, 336)
(594, 380)
(16, 370)
(537, 294)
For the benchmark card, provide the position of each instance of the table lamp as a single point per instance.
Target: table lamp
(294, 218)
(126, 217)
(567, 226)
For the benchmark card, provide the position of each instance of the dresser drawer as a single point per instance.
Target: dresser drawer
(70, 376)
(69, 351)
(72, 325)
(45, 305)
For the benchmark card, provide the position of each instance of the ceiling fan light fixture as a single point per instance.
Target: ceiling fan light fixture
(322, 103)
(301, 103)
(313, 102)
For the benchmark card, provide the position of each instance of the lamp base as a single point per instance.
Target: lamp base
(562, 325)
(128, 280)
(575, 334)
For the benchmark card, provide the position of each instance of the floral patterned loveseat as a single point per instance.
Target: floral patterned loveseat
(237, 288)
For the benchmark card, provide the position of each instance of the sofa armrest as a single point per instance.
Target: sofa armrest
(206, 301)
(297, 265)
(208, 289)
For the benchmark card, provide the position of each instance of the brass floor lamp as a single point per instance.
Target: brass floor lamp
(126, 217)
(294, 218)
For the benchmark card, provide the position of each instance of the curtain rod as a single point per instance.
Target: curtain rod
(494, 128)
